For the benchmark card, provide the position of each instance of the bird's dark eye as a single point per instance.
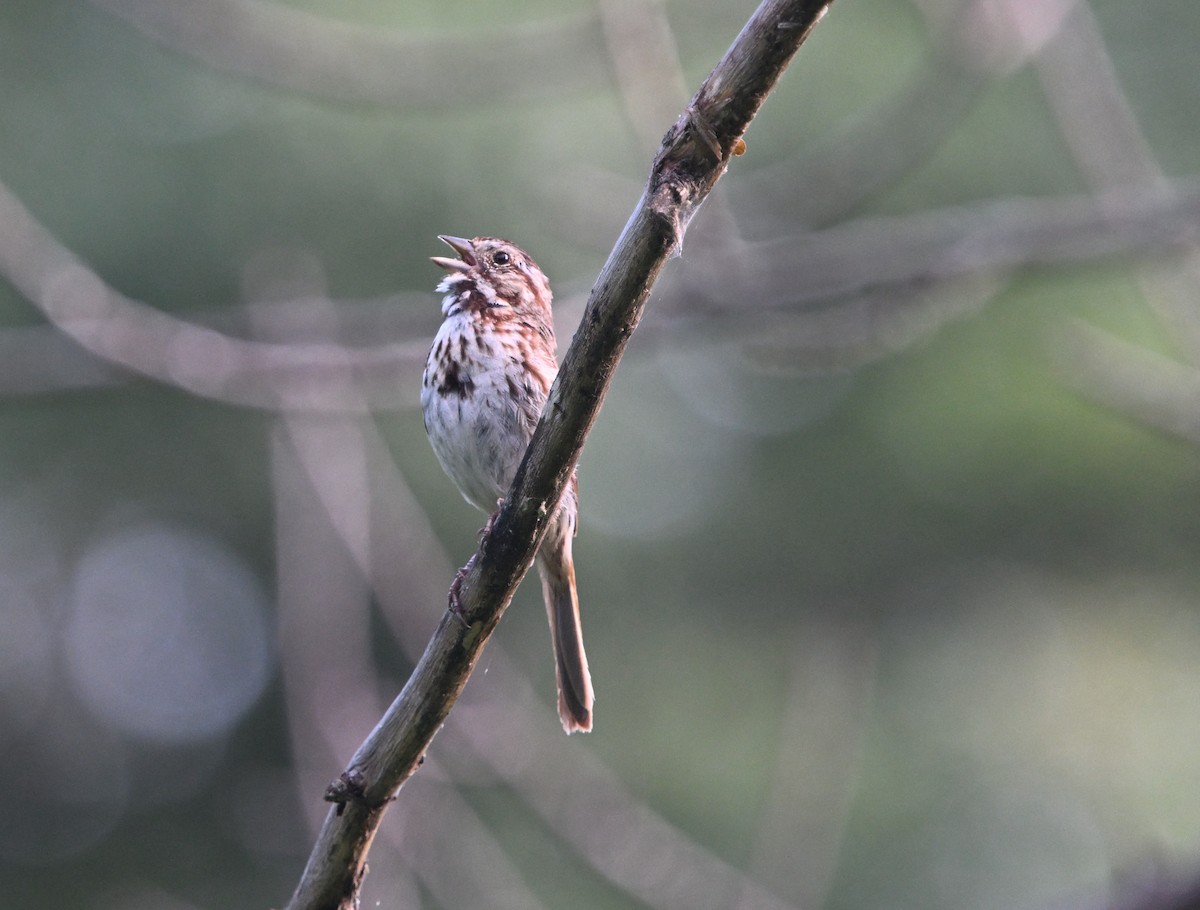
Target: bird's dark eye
(501, 258)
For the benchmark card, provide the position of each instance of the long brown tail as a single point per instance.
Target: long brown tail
(557, 570)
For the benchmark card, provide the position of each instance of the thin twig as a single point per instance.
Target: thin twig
(694, 154)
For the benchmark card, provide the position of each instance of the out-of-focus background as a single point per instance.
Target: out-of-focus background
(888, 552)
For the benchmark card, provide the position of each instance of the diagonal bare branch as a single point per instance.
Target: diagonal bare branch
(693, 156)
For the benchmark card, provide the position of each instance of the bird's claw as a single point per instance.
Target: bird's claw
(452, 601)
(491, 520)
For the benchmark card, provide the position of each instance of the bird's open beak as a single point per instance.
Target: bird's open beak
(460, 246)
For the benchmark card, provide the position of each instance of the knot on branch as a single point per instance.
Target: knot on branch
(692, 158)
(350, 787)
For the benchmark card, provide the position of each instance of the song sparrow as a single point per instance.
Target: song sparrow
(485, 384)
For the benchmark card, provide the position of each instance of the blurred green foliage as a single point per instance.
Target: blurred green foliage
(1011, 568)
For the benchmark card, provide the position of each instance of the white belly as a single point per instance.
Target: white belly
(476, 428)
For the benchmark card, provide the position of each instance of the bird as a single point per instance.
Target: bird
(486, 381)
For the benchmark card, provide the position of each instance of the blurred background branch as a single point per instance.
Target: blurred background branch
(339, 61)
(801, 277)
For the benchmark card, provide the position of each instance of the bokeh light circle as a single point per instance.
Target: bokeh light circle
(167, 637)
